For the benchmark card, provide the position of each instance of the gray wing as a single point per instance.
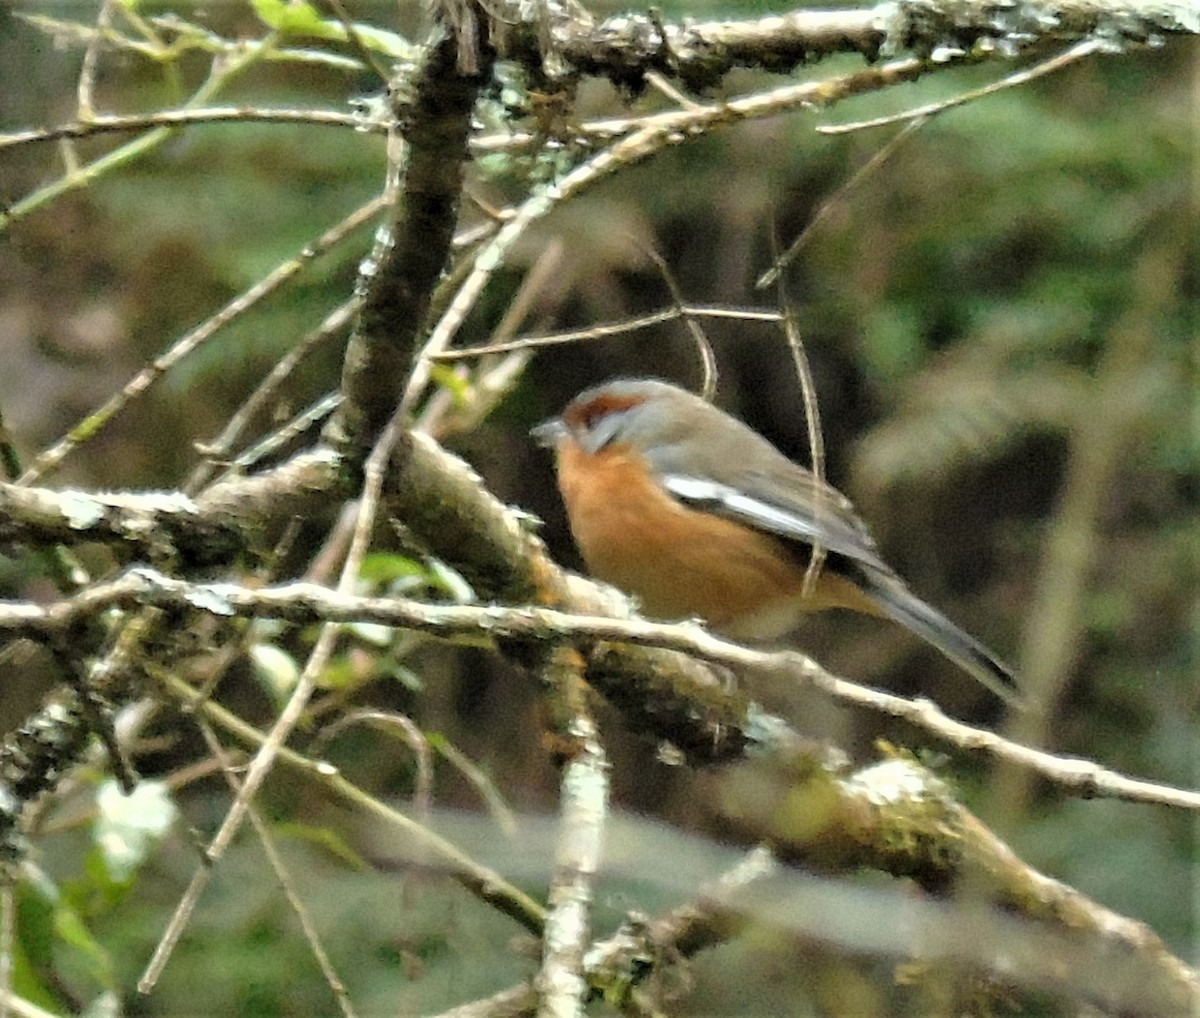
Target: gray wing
(821, 516)
(759, 486)
(836, 528)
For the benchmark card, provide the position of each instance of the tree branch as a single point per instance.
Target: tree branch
(609, 665)
(399, 279)
(584, 796)
(627, 47)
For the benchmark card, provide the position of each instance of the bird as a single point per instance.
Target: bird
(695, 514)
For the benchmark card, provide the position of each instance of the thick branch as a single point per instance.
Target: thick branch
(898, 818)
(400, 278)
(442, 501)
(149, 524)
(626, 47)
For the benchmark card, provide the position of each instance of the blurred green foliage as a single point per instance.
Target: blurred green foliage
(957, 306)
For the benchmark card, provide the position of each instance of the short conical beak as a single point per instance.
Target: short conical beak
(549, 433)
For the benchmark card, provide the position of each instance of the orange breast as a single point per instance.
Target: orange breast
(681, 562)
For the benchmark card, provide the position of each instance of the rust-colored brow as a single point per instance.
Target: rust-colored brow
(588, 413)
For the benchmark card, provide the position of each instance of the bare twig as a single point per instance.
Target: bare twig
(365, 53)
(124, 123)
(91, 56)
(708, 359)
(220, 447)
(486, 884)
(482, 784)
(25, 1008)
(84, 175)
(658, 81)
(409, 732)
(922, 113)
(653, 134)
(812, 416)
(780, 261)
(604, 331)
(494, 377)
(289, 717)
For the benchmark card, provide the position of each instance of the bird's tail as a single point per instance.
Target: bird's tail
(901, 605)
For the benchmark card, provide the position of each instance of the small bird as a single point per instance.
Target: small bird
(696, 514)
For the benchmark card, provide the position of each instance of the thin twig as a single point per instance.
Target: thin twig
(479, 780)
(494, 379)
(25, 1008)
(781, 261)
(605, 330)
(708, 359)
(356, 40)
(220, 447)
(659, 81)
(218, 78)
(486, 884)
(410, 734)
(1077, 52)
(812, 418)
(300, 423)
(122, 123)
(84, 106)
(654, 134)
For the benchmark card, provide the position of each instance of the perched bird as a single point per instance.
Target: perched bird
(694, 513)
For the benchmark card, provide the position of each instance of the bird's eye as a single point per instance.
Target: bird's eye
(600, 421)
(593, 417)
(600, 427)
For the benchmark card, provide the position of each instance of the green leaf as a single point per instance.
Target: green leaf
(324, 838)
(384, 567)
(70, 929)
(296, 17)
(49, 922)
(33, 946)
(292, 17)
(459, 386)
